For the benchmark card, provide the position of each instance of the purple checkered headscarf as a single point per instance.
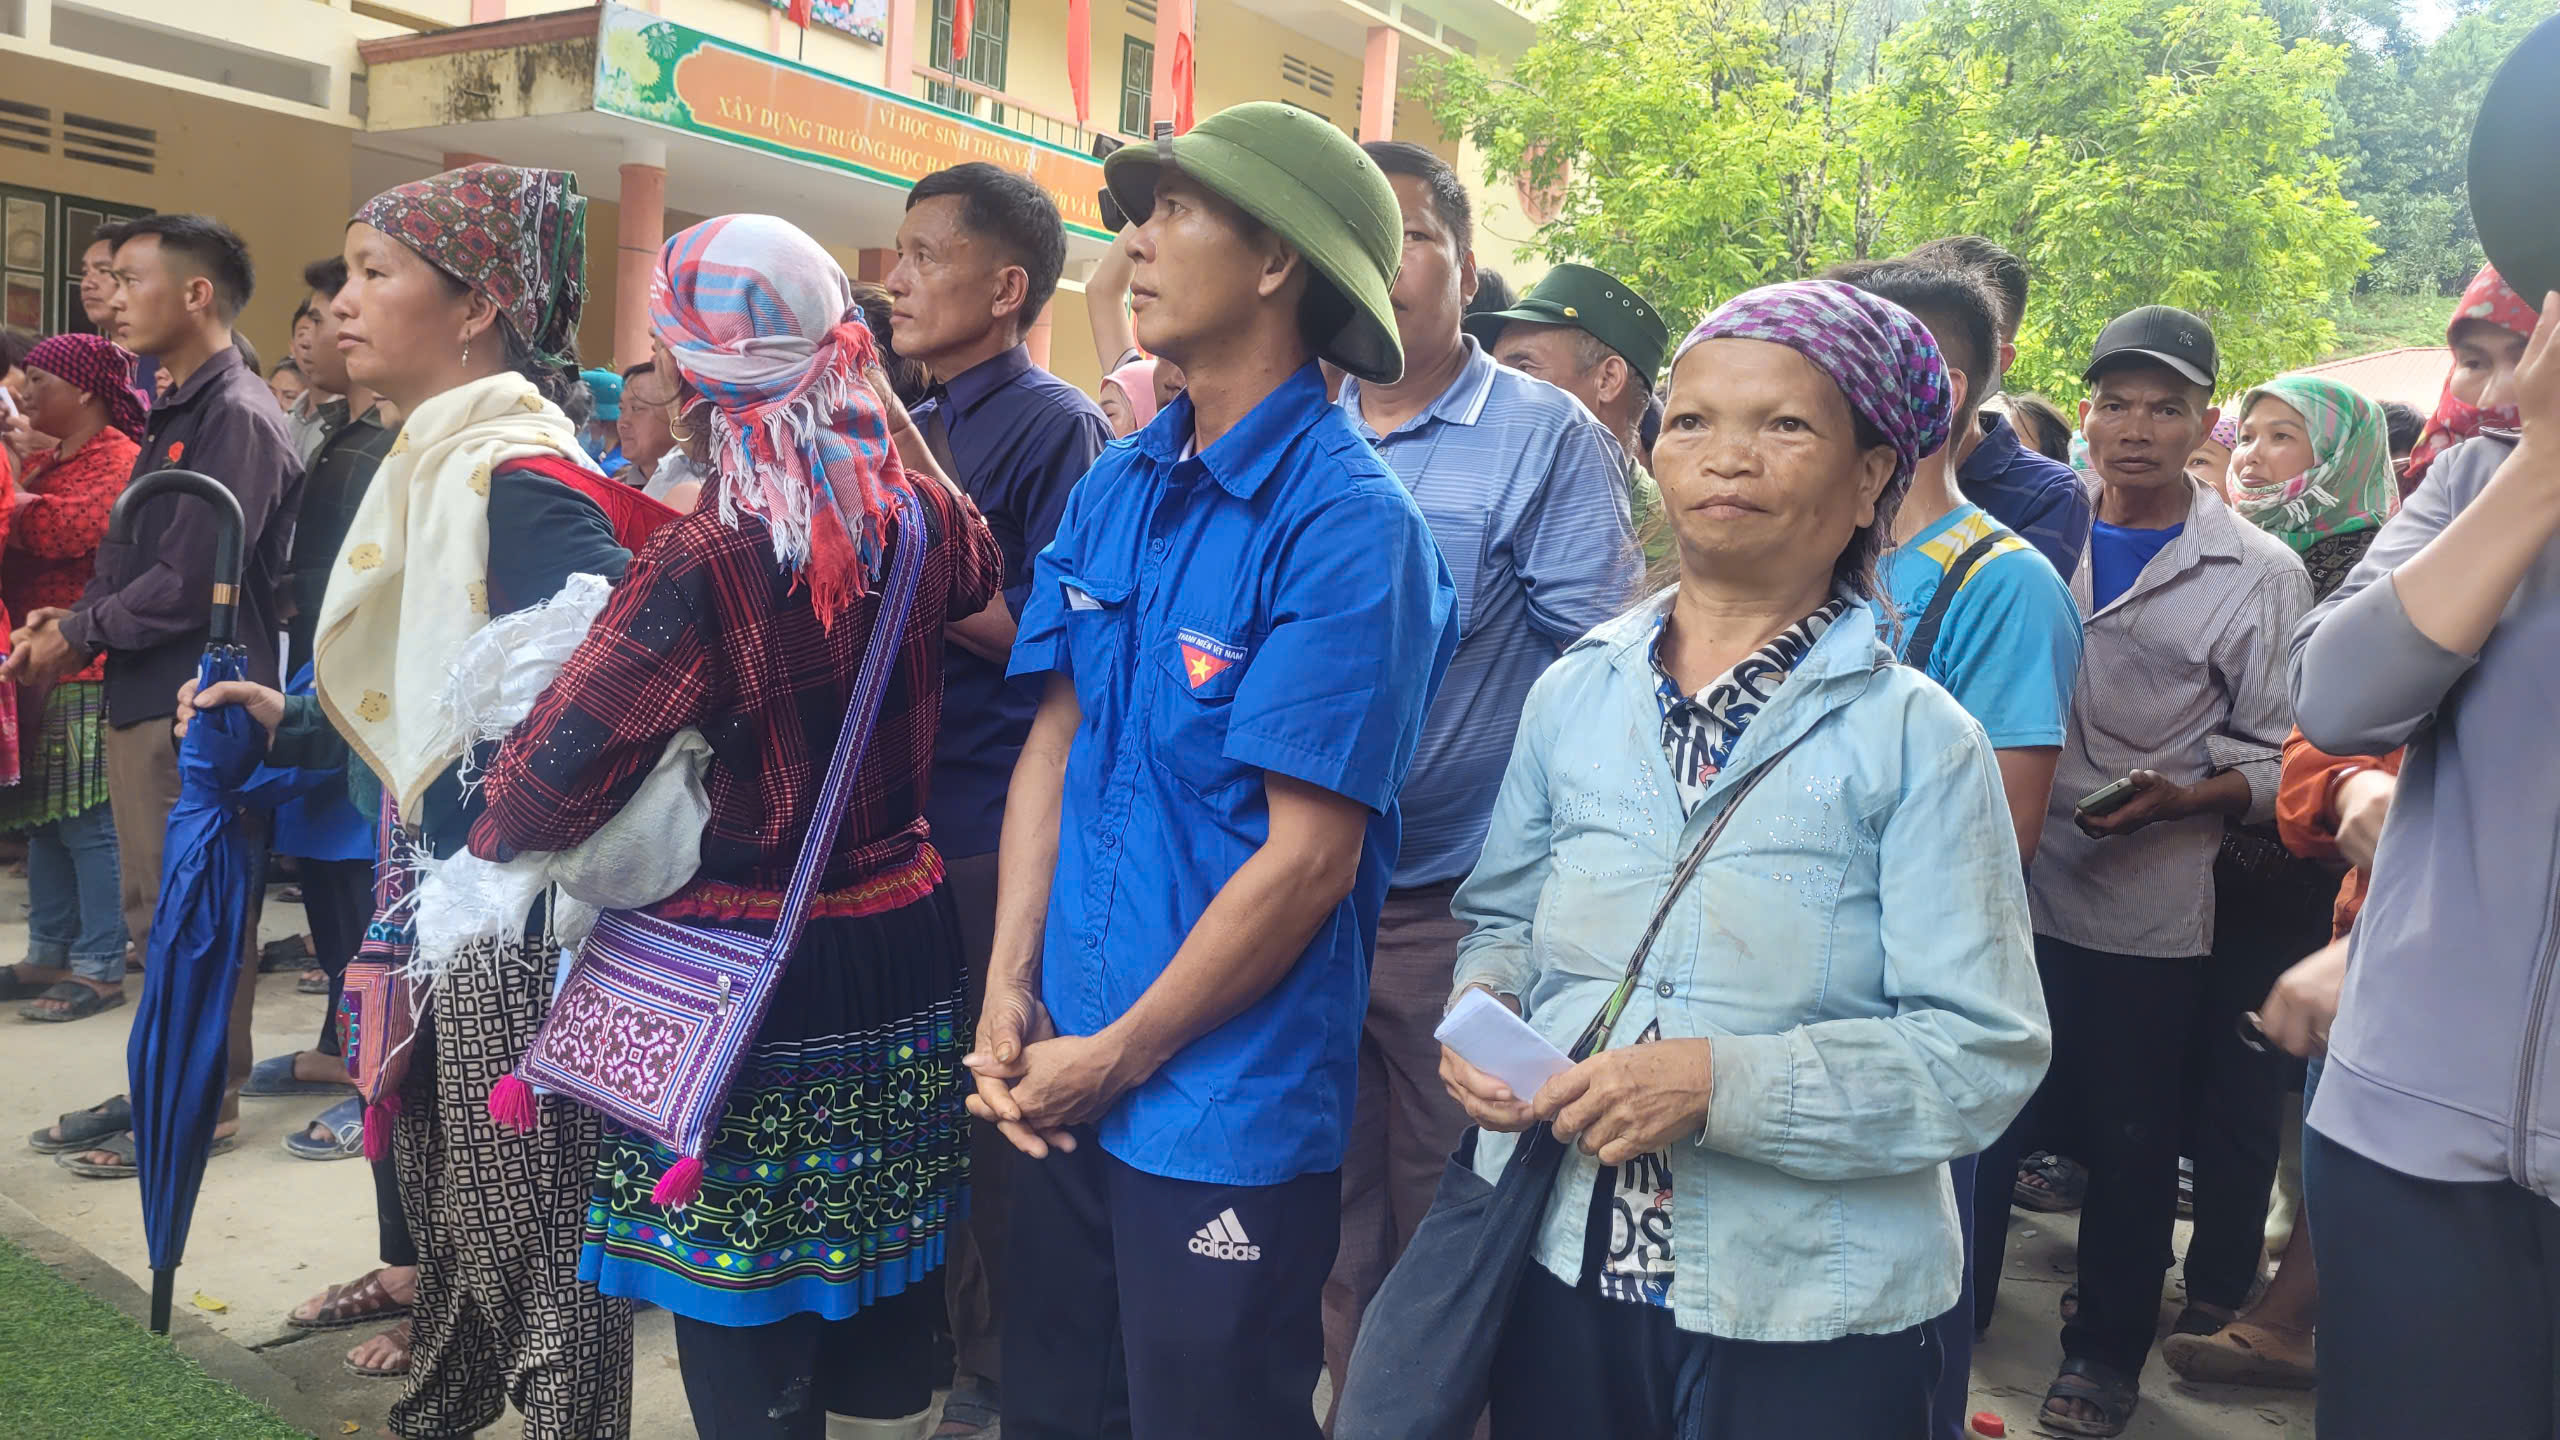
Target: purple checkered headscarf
(1878, 353)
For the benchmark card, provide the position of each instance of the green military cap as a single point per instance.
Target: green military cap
(1298, 173)
(2515, 167)
(1595, 302)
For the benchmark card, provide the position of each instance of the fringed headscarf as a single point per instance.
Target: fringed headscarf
(2349, 486)
(517, 236)
(1879, 354)
(2491, 299)
(101, 367)
(762, 323)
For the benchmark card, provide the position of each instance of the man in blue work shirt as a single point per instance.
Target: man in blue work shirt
(979, 255)
(1240, 624)
(1525, 492)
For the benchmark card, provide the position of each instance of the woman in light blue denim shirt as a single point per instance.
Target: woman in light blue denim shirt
(1756, 1225)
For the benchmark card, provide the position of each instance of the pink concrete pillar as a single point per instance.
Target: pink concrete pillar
(1038, 340)
(639, 230)
(874, 264)
(484, 11)
(1378, 83)
(898, 38)
(1171, 17)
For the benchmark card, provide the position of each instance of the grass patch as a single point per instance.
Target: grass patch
(73, 1368)
(2367, 323)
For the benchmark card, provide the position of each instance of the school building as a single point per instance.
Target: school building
(280, 116)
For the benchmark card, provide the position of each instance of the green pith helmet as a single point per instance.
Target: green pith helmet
(1296, 172)
(1595, 302)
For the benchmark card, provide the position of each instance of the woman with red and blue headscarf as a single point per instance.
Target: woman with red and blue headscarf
(801, 1256)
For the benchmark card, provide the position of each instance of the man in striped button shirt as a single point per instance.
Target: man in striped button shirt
(1523, 490)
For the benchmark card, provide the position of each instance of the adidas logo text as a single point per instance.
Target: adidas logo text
(1224, 1239)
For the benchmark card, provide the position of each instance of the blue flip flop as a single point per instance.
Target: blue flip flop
(345, 1123)
(274, 1080)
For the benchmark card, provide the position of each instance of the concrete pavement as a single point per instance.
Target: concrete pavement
(271, 1230)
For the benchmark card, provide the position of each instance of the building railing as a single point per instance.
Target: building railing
(952, 92)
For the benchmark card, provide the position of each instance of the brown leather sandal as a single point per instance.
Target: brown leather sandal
(398, 1335)
(360, 1301)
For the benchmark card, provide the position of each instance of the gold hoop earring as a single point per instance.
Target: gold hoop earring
(676, 429)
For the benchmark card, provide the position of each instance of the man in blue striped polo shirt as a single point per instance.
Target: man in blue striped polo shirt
(1524, 491)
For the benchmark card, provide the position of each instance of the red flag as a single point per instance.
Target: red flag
(1182, 73)
(1080, 56)
(964, 18)
(800, 13)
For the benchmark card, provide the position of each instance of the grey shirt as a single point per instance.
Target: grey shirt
(2184, 674)
(2440, 1063)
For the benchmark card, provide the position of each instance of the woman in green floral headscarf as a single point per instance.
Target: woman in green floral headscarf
(2313, 469)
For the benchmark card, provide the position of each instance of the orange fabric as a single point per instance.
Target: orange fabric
(2303, 794)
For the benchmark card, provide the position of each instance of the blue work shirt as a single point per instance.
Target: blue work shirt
(1274, 603)
(1020, 439)
(1527, 496)
(2030, 492)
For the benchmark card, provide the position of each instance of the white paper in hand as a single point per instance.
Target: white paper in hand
(1488, 1036)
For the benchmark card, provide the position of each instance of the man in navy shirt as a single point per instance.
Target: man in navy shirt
(2029, 492)
(978, 258)
(1240, 625)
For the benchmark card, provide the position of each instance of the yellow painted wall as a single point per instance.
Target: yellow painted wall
(280, 181)
(1237, 56)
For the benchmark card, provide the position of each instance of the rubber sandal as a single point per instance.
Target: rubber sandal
(311, 983)
(2050, 1184)
(399, 1335)
(2237, 1354)
(970, 1412)
(360, 1301)
(2196, 1319)
(82, 1129)
(121, 1147)
(14, 988)
(2086, 1380)
(290, 953)
(345, 1123)
(274, 1080)
(69, 1000)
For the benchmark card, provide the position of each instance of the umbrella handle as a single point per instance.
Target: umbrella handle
(228, 530)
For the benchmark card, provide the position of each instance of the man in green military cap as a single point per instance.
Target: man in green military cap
(1587, 333)
(1239, 628)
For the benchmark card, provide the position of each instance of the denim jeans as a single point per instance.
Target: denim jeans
(75, 901)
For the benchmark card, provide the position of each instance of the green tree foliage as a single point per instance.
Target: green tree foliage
(2133, 154)
(1693, 146)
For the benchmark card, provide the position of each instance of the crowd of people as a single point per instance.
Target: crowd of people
(1906, 802)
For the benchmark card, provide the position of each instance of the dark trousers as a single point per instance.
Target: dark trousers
(390, 1218)
(2439, 1302)
(337, 898)
(975, 1277)
(1952, 1332)
(1995, 1189)
(2120, 1024)
(1142, 1308)
(2234, 1121)
(780, 1381)
(1575, 1363)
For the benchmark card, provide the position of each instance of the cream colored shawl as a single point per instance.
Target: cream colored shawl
(412, 580)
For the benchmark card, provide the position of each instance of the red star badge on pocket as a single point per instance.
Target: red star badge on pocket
(1202, 666)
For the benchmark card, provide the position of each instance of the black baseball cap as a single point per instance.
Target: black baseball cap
(2163, 333)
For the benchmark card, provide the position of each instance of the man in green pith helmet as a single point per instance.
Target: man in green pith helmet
(1588, 333)
(1240, 626)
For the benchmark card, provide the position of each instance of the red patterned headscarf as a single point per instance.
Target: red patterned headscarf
(99, 366)
(515, 235)
(2491, 299)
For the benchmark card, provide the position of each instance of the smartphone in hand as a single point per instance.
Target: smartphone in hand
(2108, 799)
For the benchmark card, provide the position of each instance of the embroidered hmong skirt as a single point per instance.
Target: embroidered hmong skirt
(64, 770)
(842, 1162)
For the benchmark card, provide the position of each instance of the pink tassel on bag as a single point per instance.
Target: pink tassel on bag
(511, 1104)
(678, 1187)
(378, 1118)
